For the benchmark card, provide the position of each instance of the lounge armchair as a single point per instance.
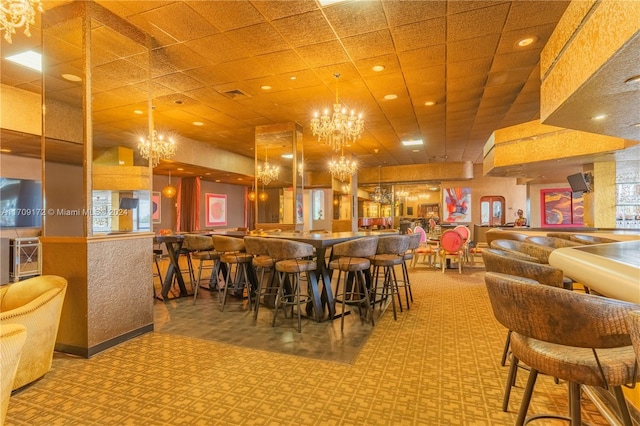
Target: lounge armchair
(36, 303)
(12, 337)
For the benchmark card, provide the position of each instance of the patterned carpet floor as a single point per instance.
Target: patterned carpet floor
(438, 364)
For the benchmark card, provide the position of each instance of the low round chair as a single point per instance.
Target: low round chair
(580, 338)
(12, 338)
(538, 252)
(552, 242)
(633, 322)
(587, 239)
(352, 258)
(499, 234)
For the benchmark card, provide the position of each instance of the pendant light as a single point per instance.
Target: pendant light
(169, 191)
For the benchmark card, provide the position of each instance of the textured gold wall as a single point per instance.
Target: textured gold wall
(604, 195)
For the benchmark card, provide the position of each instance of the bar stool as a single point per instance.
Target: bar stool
(292, 259)
(209, 255)
(352, 257)
(231, 252)
(389, 253)
(414, 244)
(257, 247)
(576, 337)
(157, 256)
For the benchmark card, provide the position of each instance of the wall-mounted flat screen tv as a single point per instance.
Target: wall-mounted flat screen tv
(579, 182)
(20, 203)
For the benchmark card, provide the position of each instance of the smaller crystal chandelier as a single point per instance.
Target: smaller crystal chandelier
(169, 191)
(339, 129)
(381, 195)
(342, 169)
(17, 13)
(267, 172)
(158, 148)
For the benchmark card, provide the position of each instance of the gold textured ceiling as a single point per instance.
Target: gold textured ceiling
(461, 54)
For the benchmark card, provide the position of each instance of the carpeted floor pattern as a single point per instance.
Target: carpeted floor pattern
(438, 364)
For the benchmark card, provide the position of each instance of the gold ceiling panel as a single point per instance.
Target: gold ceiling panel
(228, 15)
(323, 54)
(420, 34)
(280, 9)
(369, 45)
(401, 13)
(305, 29)
(351, 18)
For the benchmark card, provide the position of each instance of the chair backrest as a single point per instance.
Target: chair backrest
(550, 241)
(362, 247)
(540, 253)
(590, 239)
(451, 241)
(256, 246)
(194, 242)
(225, 244)
(633, 322)
(463, 231)
(563, 235)
(423, 234)
(499, 234)
(506, 263)
(393, 244)
(558, 316)
(281, 249)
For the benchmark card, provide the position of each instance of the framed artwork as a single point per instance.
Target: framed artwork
(156, 207)
(215, 210)
(560, 207)
(457, 204)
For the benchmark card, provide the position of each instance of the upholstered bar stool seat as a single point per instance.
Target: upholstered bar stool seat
(352, 258)
(257, 247)
(292, 258)
(232, 252)
(202, 257)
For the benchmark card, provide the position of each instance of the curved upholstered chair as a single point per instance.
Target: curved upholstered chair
(258, 248)
(389, 253)
(580, 338)
(201, 249)
(499, 234)
(563, 235)
(552, 242)
(538, 252)
(232, 252)
(633, 322)
(587, 239)
(12, 337)
(36, 303)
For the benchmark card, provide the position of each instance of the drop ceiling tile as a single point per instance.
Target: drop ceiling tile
(420, 34)
(408, 12)
(228, 15)
(476, 48)
(351, 18)
(323, 54)
(304, 29)
(257, 39)
(477, 22)
(368, 45)
(280, 9)
(423, 57)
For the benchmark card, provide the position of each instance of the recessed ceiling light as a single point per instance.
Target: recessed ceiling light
(391, 96)
(178, 102)
(208, 173)
(293, 77)
(5, 150)
(430, 103)
(288, 156)
(526, 41)
(137, 111)
(239, 178)
(412, 142)
(180, 168)
(29, 59)
(265, 87)
(71, 77)
(633, 80)
(599, 117)
(378, 68)
(329, 2)
(198, 123)
(415, 150)
(217, 180)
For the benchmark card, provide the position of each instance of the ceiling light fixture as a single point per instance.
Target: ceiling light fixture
(198, 123)
(412, 142)
(137, 111)
(391, 96)
(265, 87)
(29, 59)
(429, 103)
(599, 117)
(528, 41)
(342, 169)
(339, 129)
(17, 13)
(378, 68)
(169, 191)
(71, 77)
(381, 195)
(267, 172)
(157, 148)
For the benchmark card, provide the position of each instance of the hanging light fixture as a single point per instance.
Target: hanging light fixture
(267, 172)
(252, 194)
(380, 195)
(339, 129)
(17, 13)
(342, 169)
(157, 148)
(169, 191)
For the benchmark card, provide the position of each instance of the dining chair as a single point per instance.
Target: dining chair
(465, 233)
(389, 254)
(258, 248)
(424, 249)
(206, 253)
(353, 259)
(580, 338)
(451, 246)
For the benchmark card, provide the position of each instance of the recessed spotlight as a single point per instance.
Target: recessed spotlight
(29, 59)
(178, 102)
(378, 68)
(137, 111)
(430, 103)
(415, 150)
(239, 178)
(287, 156)
(5, 150)
(71, 77)
(217, 180)
(633, 80)
(599, 117)
(412, 142)
(180, 169)
(265, 87)
(208, 173)
(391, 96)
(526, 41)
(293, 77)
(198, 123)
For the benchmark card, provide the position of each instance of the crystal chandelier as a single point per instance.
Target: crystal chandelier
(381, 195)
(157, 148)
(339, 129)
(267, 172)
(17, 13)
(342, 169)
